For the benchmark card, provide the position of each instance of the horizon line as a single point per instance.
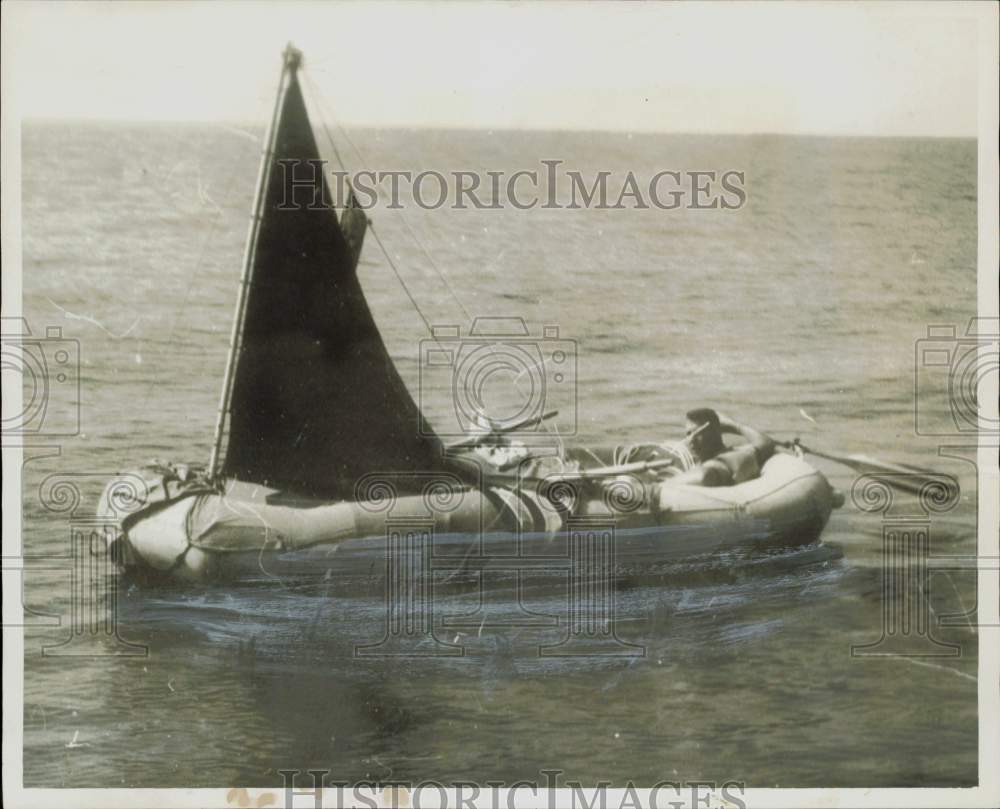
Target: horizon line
(399, 126)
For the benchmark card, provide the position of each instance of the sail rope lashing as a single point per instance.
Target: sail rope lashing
(324, 114)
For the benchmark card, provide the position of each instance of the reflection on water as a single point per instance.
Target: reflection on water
(809, 299)
(242, 682)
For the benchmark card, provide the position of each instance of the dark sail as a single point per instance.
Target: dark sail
(316, 402)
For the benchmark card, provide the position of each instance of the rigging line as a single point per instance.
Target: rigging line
(324, 114)
(433, 263)
(413, 235)
(399, 278)
(315, 96)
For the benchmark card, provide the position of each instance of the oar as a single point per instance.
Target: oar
(904, 477)
(520, 425)
(610, 471)
(597, 473)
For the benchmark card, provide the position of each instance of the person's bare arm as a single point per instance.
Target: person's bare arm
(762, 443)
(710, 473)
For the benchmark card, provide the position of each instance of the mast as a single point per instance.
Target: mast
(292, 59)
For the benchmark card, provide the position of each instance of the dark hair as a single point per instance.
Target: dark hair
(704, 415)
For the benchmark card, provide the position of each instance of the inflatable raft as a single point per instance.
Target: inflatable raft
(175, 526)
(312, 408)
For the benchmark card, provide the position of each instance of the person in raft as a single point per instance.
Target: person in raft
(716, 463)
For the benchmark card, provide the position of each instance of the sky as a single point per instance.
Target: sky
(815, 68)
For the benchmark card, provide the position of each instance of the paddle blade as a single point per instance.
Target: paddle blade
(911, 479)
(936, 487)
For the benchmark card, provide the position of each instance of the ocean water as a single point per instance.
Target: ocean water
(799, 313)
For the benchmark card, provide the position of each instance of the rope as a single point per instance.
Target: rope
(314, 94)
(317, 99)
(399, 278)
(678, 450)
